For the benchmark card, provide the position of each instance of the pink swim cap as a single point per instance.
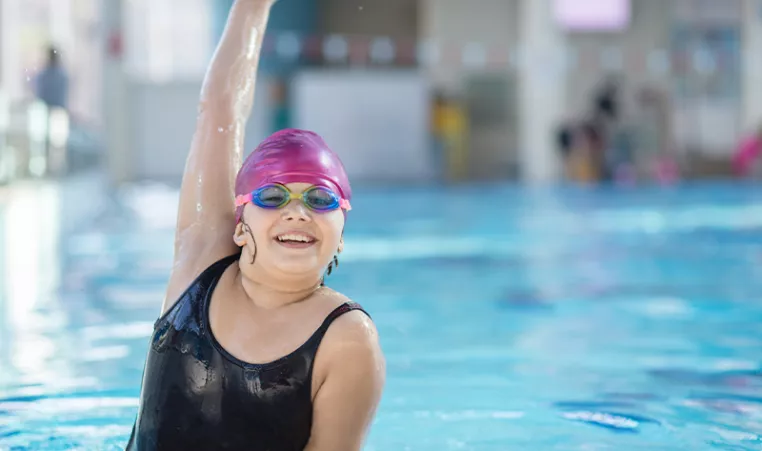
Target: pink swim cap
(292, 156)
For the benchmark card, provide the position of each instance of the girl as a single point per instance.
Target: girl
(252, 351)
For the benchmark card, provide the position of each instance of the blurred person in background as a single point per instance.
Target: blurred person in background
(52, 83)
(746, 162)
(611, 160)
(584, 161)
(438, 137)
(587, 145)
(252, 351)
(565, 139)
(449, 128)
(52, 88)
(565, 145)
(606, 100)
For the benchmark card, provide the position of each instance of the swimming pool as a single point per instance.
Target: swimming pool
(511, 318)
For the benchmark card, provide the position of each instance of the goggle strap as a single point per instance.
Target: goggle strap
(242, 199)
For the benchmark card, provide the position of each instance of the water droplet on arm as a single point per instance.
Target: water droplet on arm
(252, 47)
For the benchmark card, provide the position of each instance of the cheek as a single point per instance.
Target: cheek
(260, 222)
(331, 226)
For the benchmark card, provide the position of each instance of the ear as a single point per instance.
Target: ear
(240, 235)
(341, 246)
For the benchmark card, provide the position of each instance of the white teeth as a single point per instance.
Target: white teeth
(292, 237)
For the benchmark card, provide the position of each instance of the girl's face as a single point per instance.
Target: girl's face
(292, 240)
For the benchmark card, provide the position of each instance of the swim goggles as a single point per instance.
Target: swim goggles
(315, 198)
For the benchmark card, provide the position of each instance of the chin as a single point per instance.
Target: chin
(298, 268)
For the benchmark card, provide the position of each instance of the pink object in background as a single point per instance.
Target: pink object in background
(666, 171)
(747, 152)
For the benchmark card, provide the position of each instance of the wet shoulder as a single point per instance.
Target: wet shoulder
(350, 346)
(352, 324)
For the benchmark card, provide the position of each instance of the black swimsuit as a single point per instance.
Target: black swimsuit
(196, 396)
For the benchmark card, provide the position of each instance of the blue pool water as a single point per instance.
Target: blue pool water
(511, 318)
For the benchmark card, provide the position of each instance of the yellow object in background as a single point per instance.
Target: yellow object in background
(450, 129)
(580, 168)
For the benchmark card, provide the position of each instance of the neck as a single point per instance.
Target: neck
(269, 291)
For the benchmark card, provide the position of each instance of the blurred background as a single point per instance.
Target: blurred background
(556, 226)
(503, 90)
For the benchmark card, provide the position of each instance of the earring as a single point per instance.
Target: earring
(332, 265)
(248, 230)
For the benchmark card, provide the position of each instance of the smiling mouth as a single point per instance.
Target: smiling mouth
(295, 239)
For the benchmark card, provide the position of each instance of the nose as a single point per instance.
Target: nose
(296, 211)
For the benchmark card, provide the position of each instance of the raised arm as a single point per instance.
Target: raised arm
(205, 219)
